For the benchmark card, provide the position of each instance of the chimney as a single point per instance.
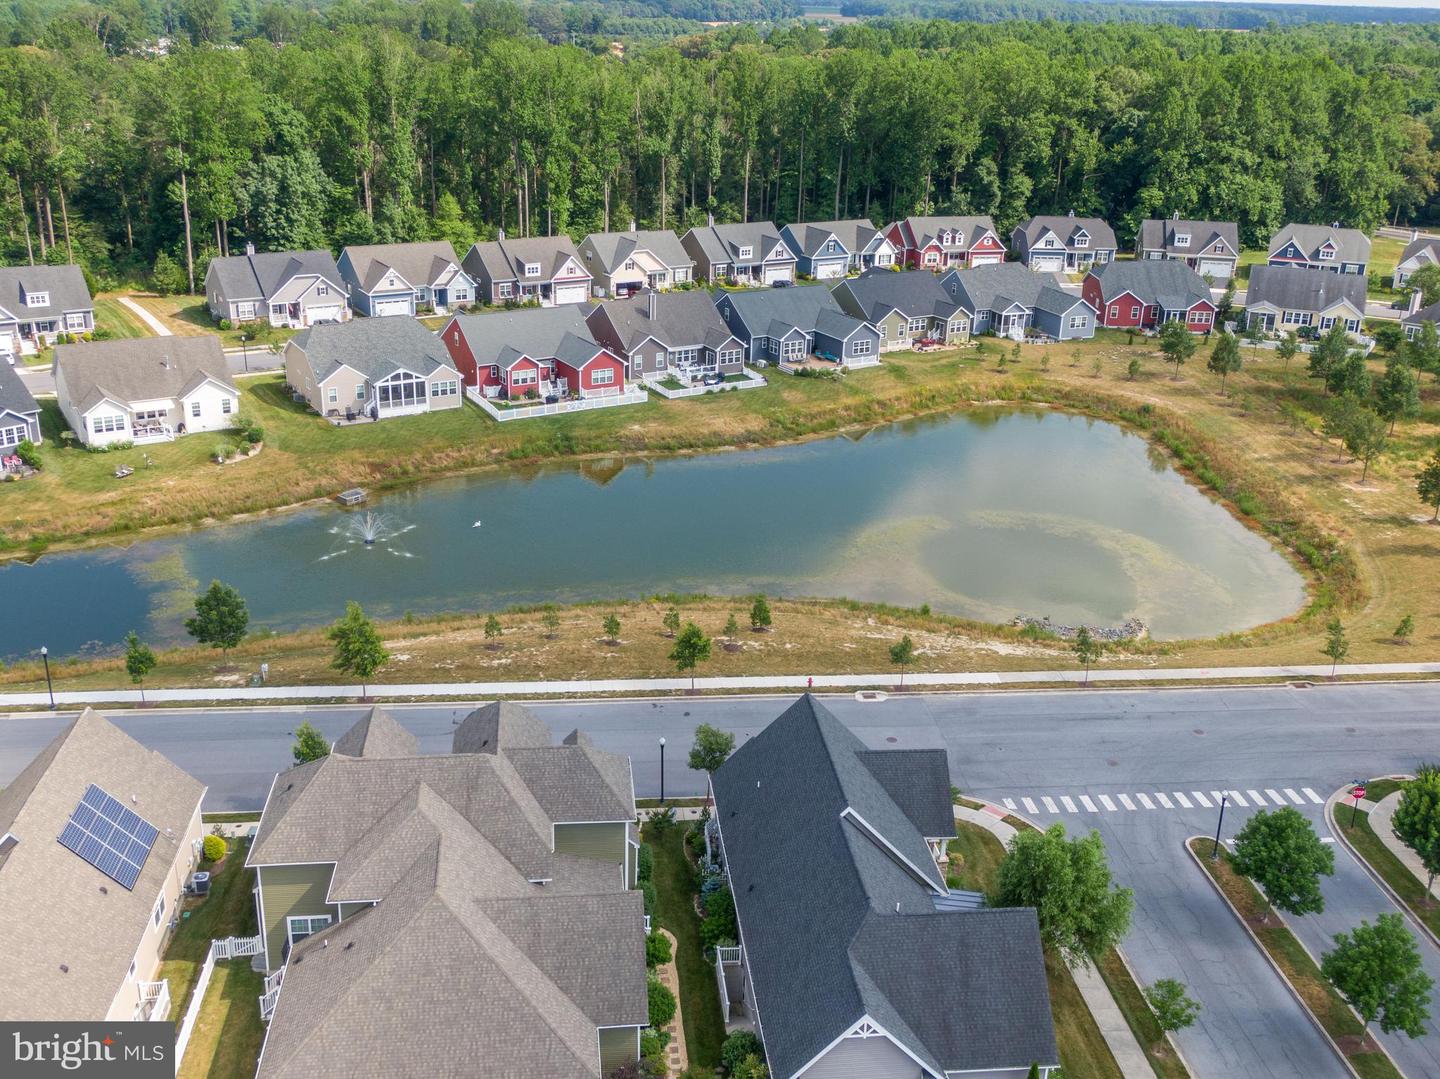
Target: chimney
(500, 233)
(1414, 235)
(1414, 301)
(249, 249)
(1175, 216)
(1334, 224)
(1071, 214)
(651, 302)
(632, 225)
(710, 220)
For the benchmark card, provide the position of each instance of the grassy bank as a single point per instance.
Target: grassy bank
(1299, 969)
(228, 911)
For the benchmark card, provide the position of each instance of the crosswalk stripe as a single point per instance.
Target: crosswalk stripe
(1144, 800)
(1200, 798)
(1010, 803)
(1068, 804)
(1184, 802)
(1275, 796)
(1312, 796)
(1125, 801)
(1164, 800)
(1218, 796)
(1089, 805)
(1294, 797)
(1256, 797)
(1107, 803)
(1030, 807)
(1237, 799)
(1050, 806)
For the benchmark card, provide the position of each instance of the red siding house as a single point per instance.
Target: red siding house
(944, 243)
(532, 353)
(1145, 294)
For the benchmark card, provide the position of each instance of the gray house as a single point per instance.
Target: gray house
(623, 263)
(38, 303)
(748, 254)
(1420, 251)
(404, 279)
(906, 307)
(544, 270)
(293, 289)
(660, 334)
(1414, 321)
(19, 414)
(372, 369)
(825, 249)
(1320, 247)
(460, 914)
(1210, 248)
(1052, 244)
(1009, 300)
(1284, 298)
(854, 958)
(790, 325)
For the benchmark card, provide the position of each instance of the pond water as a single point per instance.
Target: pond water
(986, 514)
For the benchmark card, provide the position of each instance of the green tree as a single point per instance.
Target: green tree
(1287, 347)
(550, 618)
(1281, 853)
(1425, 281)
(1337, 647)
(310, 744)
(611, 628)
(671, 622)
(1417, 821)
(1397, 394)
(1068, 883)
(1173, 1008)
(902, 654)
(139, 661)
(1366, 438)
(732, 627)
(1424, 351)
(662, 1003)
(1329, 353)
(359, 651)
(221, 618)
(1342, 416)
(1427, 484)
(1132, 369)
(691, 648)
(1405, 628)
(658, 951)
(1349, 375)
(760, 614)
(712, 747)
(1087, 650)
(1378, 970)
(1177, 344)
(1224, 357)
(493, 630)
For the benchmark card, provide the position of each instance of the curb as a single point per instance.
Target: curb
(1168, 1036)
(1294, 993)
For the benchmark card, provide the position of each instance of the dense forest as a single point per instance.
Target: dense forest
(385, 121)
(1222, 16)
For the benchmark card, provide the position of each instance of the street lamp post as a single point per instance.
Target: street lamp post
(662, 770)
(245, 351)
(1215, 850)
(49, 687)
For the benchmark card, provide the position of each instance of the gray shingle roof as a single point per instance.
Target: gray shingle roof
(1158, 234)
(65, 284)
(1424, 314)
(537, 332)
(420, 264)
(15, 396)
(923, 230)
(373, 347)
(1351, 245)
(914, 293)
(613, 248)
(798, 306)
(1294, 288)
(377, 734)
(722, 243)
(1167, 282)
(140, 369)
(499, 724)
(1102, 236)
(56, 907)
(505, 260)
(994, 287)
(1422, 249)
(833, 923)
(263, 274)
(854, 234)
(682, 320)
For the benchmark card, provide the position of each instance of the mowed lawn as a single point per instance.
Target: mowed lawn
(225, 1043)
(228, 911)
(188, 316)
(119, 320)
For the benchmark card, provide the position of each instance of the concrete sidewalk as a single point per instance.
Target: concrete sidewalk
(139, 311)
(792, 683)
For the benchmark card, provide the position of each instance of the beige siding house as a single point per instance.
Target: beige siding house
(372, 369)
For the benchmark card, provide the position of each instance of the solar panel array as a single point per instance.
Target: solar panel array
(112, 838)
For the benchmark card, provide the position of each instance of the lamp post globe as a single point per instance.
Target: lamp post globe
(49, 687)
(662, 769)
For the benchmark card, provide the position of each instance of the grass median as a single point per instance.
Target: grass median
(1360, 834)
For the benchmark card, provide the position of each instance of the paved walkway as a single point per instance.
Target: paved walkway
(1107, 1014)
(159, 328)
(676, 1055)
(884, 681)
(1382, 823)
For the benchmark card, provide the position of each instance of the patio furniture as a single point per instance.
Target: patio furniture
(123, 471)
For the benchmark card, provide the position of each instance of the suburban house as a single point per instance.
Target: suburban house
(1145, 294)
(146, 389)
(789, 325)
(404, 279)
(826, 249)
(1320, 247)
(659, 334)
(1284, 298)
(1008, 300)
(854, 957)
(1421, 251)
(371, 369)
(944, 243)
(749, 254)
(1052, 244)
(622, 263)
(293, 289)
(544, 270)
(452, 914)
(19, 414)
(905, 307)
(38, 303)
(1412, 322)
(98, 839)
(549, 353)
(1210, 248)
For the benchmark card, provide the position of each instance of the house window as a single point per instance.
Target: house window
(448, 387)
(883, 260)
(884, 331)
(297, 928)
(683, 357)
(917, 325)
(532, 269)
(419, 295)
(503, 290)
(332, 395)
(75, 320)
(831, 246)
(746, 252)
(955, 328)
(1082, 241)
(322, 290)
(359, 391)
(107, 424)
(195, 408)
(629, 264)
(1411, 332)
(130, 974)
(730, 356)
(1078, 322)
(244, 312)
(1327, 254)
(682, 275)
(604, 376)
(1135, 311)
(861, 347)
(1291, 318)
(1201, 318)
(460, 295)
(1182, 239)
(792, 348)
(400, 390)
(1352, 325)
(1049, 242)
(932, 258)
(494, 370)
(225, 406)
(37, 299)
(13, 436)
(524, 378)
(159, 911)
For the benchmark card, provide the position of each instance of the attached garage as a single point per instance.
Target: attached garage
(828, 269)
(1047, 263)
(782, 272)
(578, 292)
(391, 307)
(986, 260)
(1212, 268)
(323, 314)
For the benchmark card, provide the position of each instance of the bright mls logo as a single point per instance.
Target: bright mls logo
(113, 1050)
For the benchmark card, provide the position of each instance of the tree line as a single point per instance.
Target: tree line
(382, 121)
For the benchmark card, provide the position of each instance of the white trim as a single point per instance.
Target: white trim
(880, 1032)
(849, 811)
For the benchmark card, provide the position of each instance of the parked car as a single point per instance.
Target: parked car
(779, 284)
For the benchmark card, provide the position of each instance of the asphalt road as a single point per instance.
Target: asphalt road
(1095, 746)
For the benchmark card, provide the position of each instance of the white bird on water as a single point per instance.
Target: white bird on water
(475, 525)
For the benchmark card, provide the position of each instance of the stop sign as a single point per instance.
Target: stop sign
(1357, 793)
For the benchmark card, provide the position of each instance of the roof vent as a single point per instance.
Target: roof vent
(632, 224)
(326, 942)
(249, 249)
(104, 890)
(349, 944)
(135, 799)
(651, 304)
(64, 969)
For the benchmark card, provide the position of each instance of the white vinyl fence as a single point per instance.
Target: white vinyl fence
(584, 404)
(229, 948)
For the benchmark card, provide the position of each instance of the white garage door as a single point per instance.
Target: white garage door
(1214, 269)
(391, 307)
(321, 314)
(572, 293)
(1047, 263)
(830, 269)
(986, 260)
(776, 273)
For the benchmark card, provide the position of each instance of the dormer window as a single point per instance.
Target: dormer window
(746, 252)
(532, 269)
(37, 299)
(1182, 239)
(629, 264)
(1082, 240)
(945, 236)
(1327, 254)
(322, 290)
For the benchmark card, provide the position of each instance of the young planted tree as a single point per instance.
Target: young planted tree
(1397, 394)
(1132, 369)
(1349, 375)
(1087, 650)
(493, 630)
(359, 651)
(1173, 1008)
(1224, 357)
(1404, 629)
(760, 615)
(1337, 646)
(550, 619)
(1177, 344)
(902, 654)
(221, 618)
(711, 748)
(1096, 366)
(139, 661)
(1424, 351)
(1281, 853)
(1378, 970)
(1340, 419)
(1427, 484)
(1287, 348)
(671, 622)
(1417, 821)
(732, 627)
(310, 744)
(1329, 353)
(1068, 883)
(691, 648)
(1366, 439)
(611, 628)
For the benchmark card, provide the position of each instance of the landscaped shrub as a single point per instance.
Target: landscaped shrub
(719, 923)
(652, 1050)
(28, 454)
(662, 1003)
(644, 862)
(695, 839)
(255, 435)
(657, 949)
(647, 889)
(213, 847)
(737, 1047)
